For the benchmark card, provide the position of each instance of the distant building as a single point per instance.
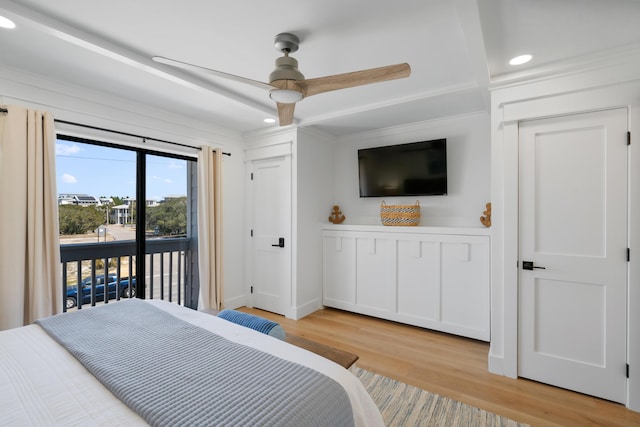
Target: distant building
(120, 214)
(78, 199)
(65, 199)
(87, 201)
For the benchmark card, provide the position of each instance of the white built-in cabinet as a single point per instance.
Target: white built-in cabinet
(433, 277)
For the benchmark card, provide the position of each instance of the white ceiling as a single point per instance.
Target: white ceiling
(456, 48)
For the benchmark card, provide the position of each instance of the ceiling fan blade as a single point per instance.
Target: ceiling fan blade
(198, 68)
(285, 113)
(356, 78)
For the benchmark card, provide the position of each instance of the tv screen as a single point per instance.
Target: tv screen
(414, 169)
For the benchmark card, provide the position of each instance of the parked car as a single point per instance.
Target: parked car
(123, 289)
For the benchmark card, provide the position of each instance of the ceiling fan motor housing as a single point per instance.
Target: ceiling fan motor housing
(286, 69)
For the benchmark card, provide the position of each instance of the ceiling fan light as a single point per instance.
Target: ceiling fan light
(285, 96)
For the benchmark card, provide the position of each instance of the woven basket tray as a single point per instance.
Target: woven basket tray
(407, 215)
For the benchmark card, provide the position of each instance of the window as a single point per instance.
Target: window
(125, 214)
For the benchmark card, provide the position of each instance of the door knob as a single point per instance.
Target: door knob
(280, 243)
(528, 265)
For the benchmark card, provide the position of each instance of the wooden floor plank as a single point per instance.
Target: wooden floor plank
(451, 366)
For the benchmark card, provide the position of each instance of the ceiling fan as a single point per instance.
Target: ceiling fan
(287, 84)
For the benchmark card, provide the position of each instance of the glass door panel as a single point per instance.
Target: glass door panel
(166, 232)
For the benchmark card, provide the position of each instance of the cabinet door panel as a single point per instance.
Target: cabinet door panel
(376, 273)
(465, 288)
(339, 270)
(419, 279)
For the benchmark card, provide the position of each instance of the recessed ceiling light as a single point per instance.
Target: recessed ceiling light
(269, 120)
(6, 23)
(519, 60)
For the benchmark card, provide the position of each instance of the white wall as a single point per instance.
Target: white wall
(468, 164)
(234, 228)
(314, 193)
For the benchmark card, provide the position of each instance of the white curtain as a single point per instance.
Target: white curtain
(210, 228)
(30, 270)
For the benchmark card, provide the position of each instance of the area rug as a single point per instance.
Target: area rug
(403, 405)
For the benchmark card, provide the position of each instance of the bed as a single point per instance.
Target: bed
(234, 376)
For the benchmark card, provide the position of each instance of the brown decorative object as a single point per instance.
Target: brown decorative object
(336, 216)
(486, 219)
(407, 215)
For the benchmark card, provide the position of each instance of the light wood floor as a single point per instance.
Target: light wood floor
(451, 366)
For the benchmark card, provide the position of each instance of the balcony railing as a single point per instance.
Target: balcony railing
(167, 267)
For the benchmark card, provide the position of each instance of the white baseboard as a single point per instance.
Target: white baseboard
(236, 302)
(306, 309)
(496, 365)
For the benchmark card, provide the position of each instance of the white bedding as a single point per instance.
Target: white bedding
(41, 384)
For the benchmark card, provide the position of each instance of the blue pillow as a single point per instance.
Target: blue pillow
(257, 323)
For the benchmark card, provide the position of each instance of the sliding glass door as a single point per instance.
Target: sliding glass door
(125, 226)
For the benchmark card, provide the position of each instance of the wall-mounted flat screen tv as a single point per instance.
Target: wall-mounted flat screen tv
(414, 169)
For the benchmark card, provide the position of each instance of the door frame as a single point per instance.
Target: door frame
(612, 382)
(285, 254)
(264, 150)
(541, 100)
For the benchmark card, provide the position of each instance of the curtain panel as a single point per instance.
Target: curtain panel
(30, 270)
(210, 229)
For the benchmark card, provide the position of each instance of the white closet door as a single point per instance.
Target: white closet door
(573, 223)
(271, 241)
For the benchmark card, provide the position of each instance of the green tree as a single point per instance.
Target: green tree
(169, 217)
(117, 201)
(76, 219)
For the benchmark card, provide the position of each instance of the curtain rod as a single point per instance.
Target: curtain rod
(144, 138)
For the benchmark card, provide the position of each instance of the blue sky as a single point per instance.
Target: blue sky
(103, 171)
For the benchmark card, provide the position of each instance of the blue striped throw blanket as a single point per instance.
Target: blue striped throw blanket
(173, 373)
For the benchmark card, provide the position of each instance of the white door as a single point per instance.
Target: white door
(573, 223)
(271, 228)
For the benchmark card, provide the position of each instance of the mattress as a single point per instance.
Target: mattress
(43, 384)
